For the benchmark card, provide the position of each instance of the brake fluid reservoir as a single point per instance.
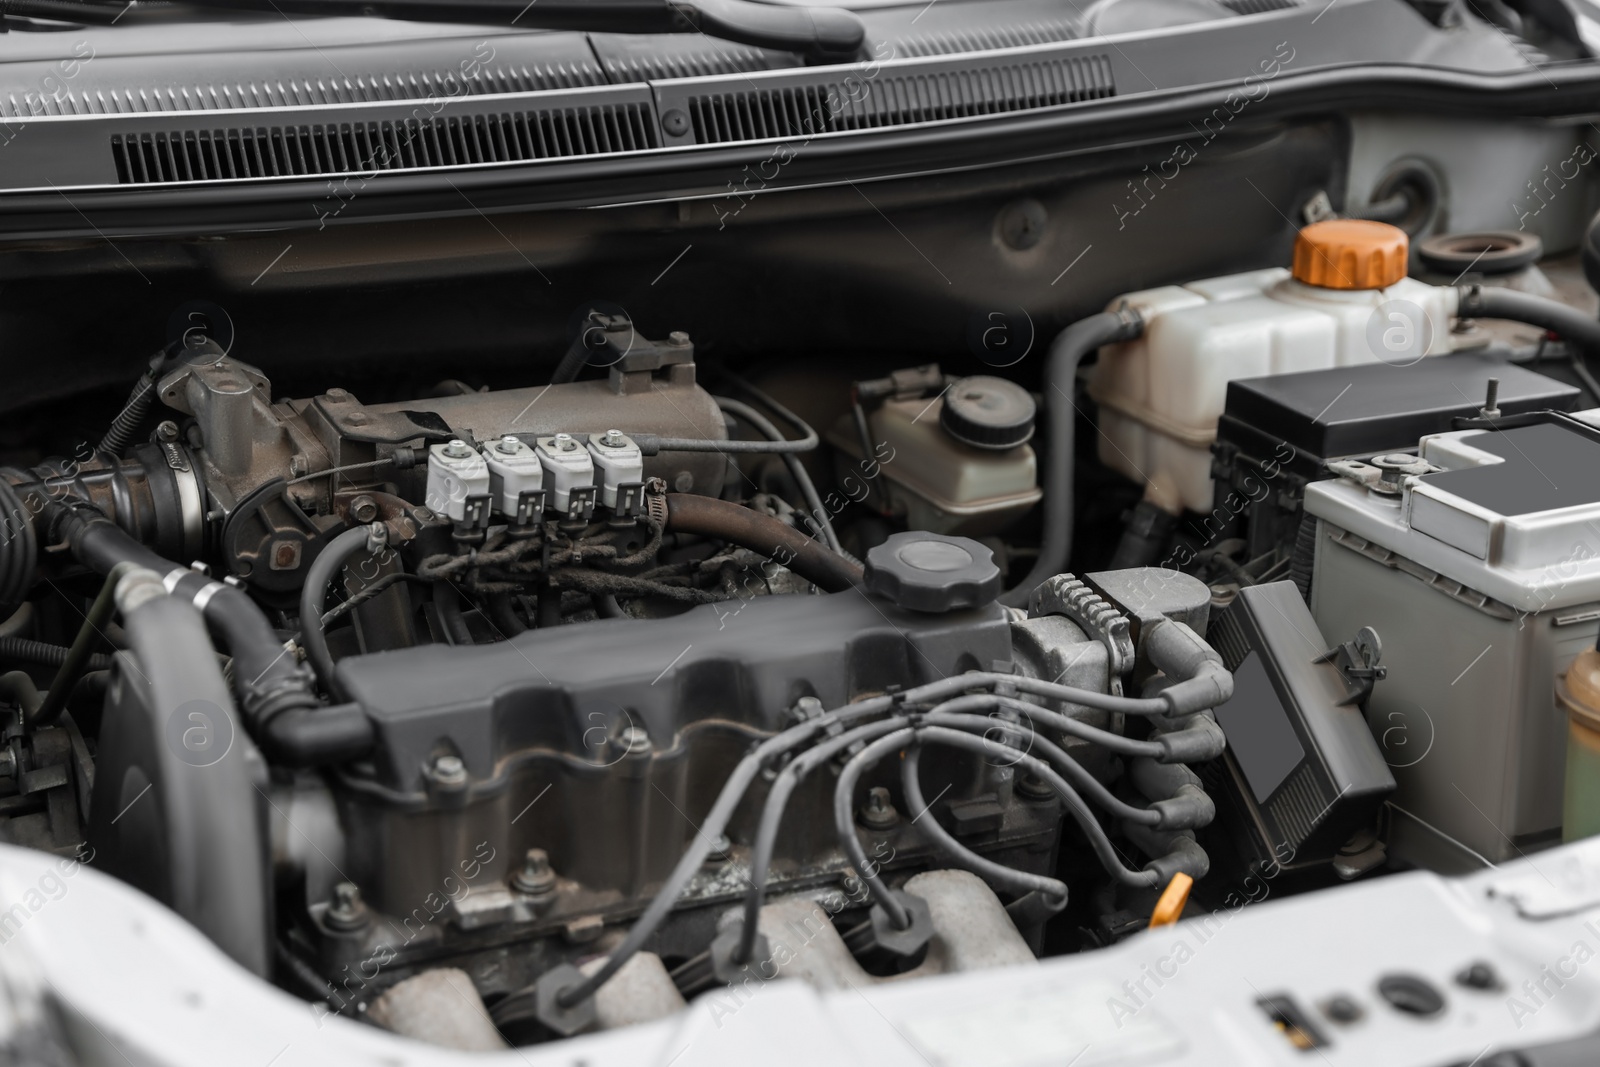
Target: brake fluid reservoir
(1347, 300)
(957, 463)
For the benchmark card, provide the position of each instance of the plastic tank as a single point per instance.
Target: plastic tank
(1347, 301)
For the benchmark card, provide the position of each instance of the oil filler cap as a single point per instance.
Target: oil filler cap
(1350, 254)
(988, 412)
(931, 572)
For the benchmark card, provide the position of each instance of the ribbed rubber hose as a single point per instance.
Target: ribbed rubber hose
(1066, 352)
(45, 654)
(736, 524)
(128, 421)
(19, 547)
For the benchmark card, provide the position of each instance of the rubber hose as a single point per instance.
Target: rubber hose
(1066, 352)
(45, 654)
(504, 616)
(736, 524)
(267, 680)
(1572, 325)
(77, 658)
(217, 873)
(18, 688)
(19, 547)
(797, 470)
(313, 594)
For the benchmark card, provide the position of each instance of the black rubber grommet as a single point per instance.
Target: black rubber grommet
(910, 941)
(1490, 252)
(567, 1022)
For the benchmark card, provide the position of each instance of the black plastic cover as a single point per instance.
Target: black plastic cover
(1302, 772)
(1375, 408)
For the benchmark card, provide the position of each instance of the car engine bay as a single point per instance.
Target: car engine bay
(498, 623)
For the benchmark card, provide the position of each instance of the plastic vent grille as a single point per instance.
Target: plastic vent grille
(1258, 7)
(985, 40)
(1227, 637)
(303, 92)
(704, 63)
(365, 147)
(1296, 806)
(896, 100)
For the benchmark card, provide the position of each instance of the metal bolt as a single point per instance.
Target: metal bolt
(338, 395)
(1034, 788)
(449, 770)
(1491, 400)
(583, 929)
(363, 508)
(565, 442)
(299, 464)
(678, 338)
(721, 849)
(510, 444)
(537, 878)
(346, 909)
(878, 813)
(167, 430)
(613, 439)
(457, 449)
(285, 555)
(356, 418)
(807, 708)
(634, 740)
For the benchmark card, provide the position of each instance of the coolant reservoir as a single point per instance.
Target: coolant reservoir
(1346, 301)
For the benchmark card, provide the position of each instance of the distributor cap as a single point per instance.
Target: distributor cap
(988, 412)
(931, 572)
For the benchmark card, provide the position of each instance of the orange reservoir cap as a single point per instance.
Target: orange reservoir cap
(1350, 254)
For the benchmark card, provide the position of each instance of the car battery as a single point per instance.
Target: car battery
(1279, 432)
(1477, 561)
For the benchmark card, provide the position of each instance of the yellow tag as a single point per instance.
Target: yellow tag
(1169, 909)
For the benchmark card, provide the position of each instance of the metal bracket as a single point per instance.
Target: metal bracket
(1066, 595)
(1357, 661)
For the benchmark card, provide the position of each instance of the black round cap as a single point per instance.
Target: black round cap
(931, 572)
(988, 412)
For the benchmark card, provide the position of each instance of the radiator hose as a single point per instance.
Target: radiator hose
(276, 698)
(1066, 352)
(738, 525)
